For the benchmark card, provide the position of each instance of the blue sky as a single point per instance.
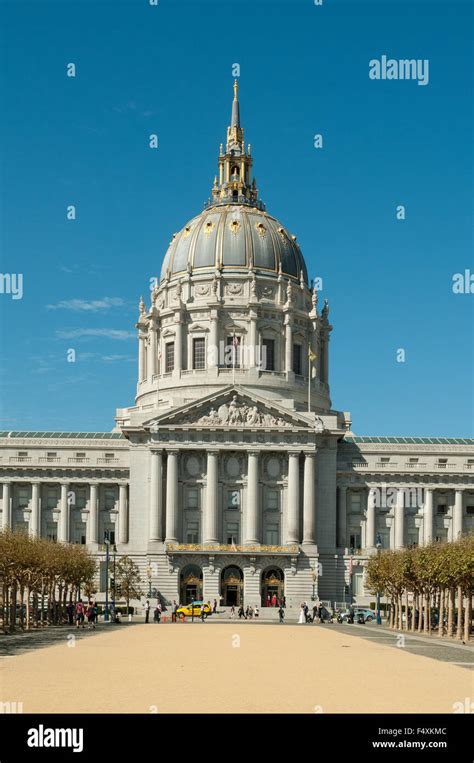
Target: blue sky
(304, 70)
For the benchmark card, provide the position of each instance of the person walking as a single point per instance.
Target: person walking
(147, 611)
(232, 612)
(156, 615)
(301, 617)
(214, 607)
(173, 612)
(274, 600)
(90, 615)
(269, 602)
(257, 611)
(79, 614)
(281, 614)
(315, 612)
(203, 612)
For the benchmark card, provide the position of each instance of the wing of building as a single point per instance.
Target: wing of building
(232, 476)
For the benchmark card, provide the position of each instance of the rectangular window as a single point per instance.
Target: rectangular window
(169, 357)
(413, 537)
(80, 455)
(355, 503)
(268, 354)
(110, 535)
(52, 498)
(297, 359)
(469, 509)
(272, 500)
(354, 541)
(110, 456)
(232, 351)
(272, 535)
(109, 498)
(23, 497)
(199, 353)
(233, 499)
(51, 455)
(232, 533)
(192, 532)
(442, 508)
(385, 460)
(413, 460)
(22, 453)
(192, 498)
(80, 499)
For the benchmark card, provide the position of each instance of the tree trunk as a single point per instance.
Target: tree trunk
(13, 606)
(426, 617)
(414, 608)
(421, 603)
(441, 614)
(468, 616)
(400, 612)
(451, 603)
(27, 608)
(459, 620)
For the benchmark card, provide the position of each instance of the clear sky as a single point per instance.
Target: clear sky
(142, 69)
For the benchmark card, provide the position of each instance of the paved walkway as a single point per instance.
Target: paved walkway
(237, 667)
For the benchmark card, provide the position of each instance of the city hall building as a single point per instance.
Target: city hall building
(232, 476)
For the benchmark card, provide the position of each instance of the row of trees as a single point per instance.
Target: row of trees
(38, 578)
(427, 586)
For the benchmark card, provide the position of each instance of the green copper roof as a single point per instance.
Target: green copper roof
(413, 440)
(66, 435)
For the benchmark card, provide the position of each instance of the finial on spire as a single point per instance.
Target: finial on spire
(236, 90)
(235, 121)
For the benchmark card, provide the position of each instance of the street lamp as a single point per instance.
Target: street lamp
(107, 556)
(314, 578)
(114, 549)
(378, 546)
(148, 572)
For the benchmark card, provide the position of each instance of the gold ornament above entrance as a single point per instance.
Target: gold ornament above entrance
(173, 548)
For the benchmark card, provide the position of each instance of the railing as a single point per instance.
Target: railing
(444, 466)
(107, 460)
(359, 464)
(414, 465)
(49, 460)
(20, 459)
(78, 460)
(386, 464)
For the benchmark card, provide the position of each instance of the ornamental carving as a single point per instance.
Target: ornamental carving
(233, 288)
(236, 413)
(266, 292)
(202, 289)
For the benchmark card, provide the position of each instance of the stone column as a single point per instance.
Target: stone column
(400, 519)
(172, 497)
(93, 523)
(35, 524)
(457, 514)
(178, 346)
(123, 514)
(210, 511)
(63, 534)
(6, 508)
(342, 517)
(288, 346)
(156, 496)
(293, 524)
(152, 352)
(428, 516)
(212, 347)
(251, 514)
(141, 357)
(253, 339)
(370, 520)
(309, 519)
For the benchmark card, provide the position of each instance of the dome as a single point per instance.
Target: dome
(234, 237)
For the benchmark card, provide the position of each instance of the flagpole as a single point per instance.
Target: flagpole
(309, 384)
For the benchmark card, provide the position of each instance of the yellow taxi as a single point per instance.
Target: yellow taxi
(187, 610)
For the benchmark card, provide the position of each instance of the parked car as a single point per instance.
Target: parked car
(369, 614)
(186, 610)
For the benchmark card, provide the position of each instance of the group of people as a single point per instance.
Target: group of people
(82, 611)
(248, 613)
(274, 601)
(318, 611)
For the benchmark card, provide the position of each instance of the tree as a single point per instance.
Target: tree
(128, 579)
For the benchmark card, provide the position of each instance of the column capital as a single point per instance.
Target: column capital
(293, 454)
(309, 453)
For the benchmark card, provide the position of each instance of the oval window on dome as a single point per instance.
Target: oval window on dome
(209, 227)
(234, 226)
(261, 230)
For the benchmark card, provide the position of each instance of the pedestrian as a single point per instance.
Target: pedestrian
(96, 613)
(203, 612)
(257, 611)
(156, 615)
(214, 607)
(173, 612)
(242, 613)
(147, 611)
(301, 617)
(247, 612)
(79, 614)
(274, 600)
(315, 612)
(90, 615)
(281, 614)
(232, 612)
(269, 603)
(70, 612)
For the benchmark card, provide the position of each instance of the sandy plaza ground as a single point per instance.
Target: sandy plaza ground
(234, 667)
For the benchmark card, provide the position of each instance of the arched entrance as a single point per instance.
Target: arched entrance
(273, 584)
(190, 584)
(232, 586)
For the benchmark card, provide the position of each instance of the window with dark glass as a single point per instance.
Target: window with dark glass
(268, 355)
(199, 353)
(297, 359)
(169, 357)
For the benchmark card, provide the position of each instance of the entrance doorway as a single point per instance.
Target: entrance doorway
(190, 584)
(232, 586)
(273, 587)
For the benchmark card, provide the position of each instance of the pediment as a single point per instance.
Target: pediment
(230, 409)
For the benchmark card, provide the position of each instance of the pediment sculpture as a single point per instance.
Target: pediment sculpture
(236, 413)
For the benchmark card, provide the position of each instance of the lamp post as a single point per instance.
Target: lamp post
(148, 572)
(107, 556)
(378, 546)
(314, 577)
(114, 549)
